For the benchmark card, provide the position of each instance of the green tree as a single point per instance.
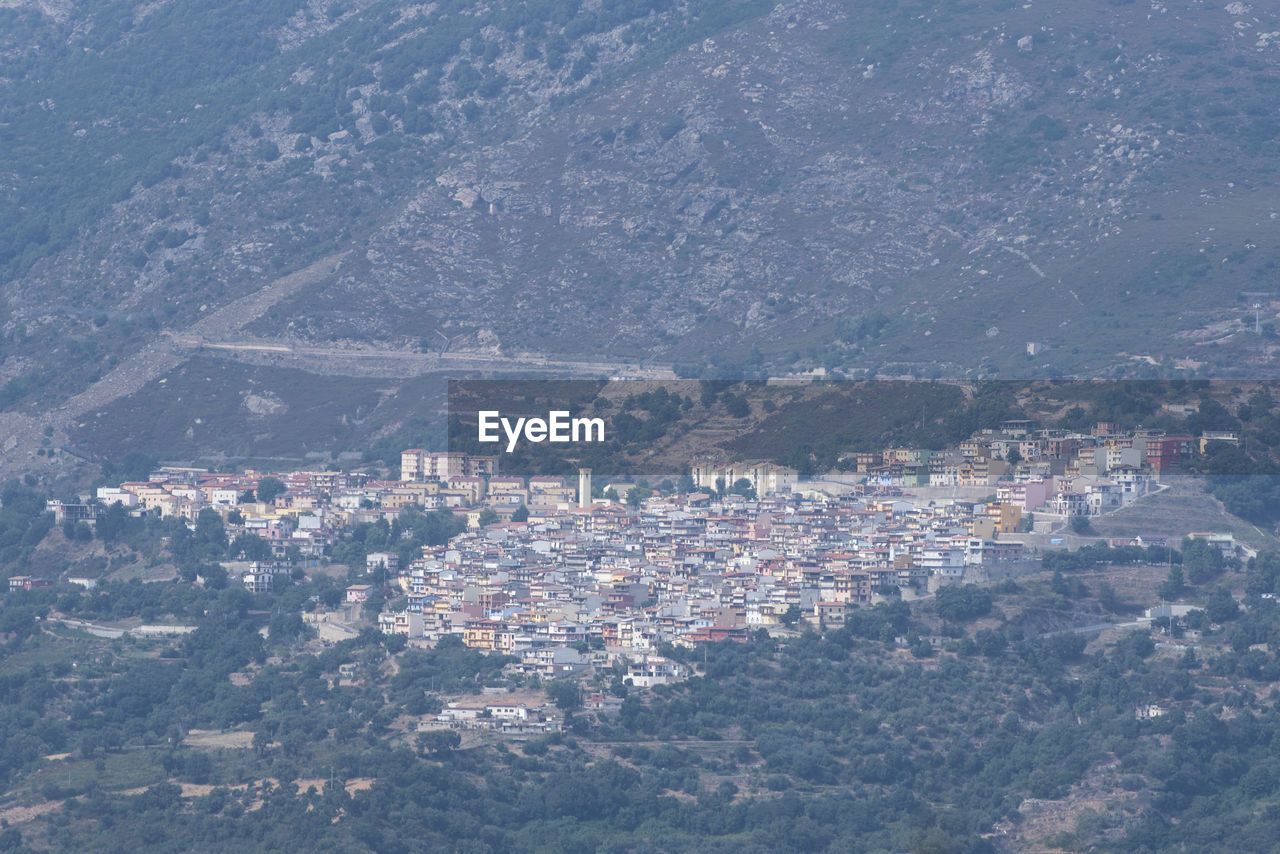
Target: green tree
(990, 643)
(286, 625)
(1222, 607)
(437, 741)
(374, 604)
(1172, 587)
(250, 547)
(270, 487)
(210, 534)
(215, 577)
(1201, 560)
(637, 494)
(565, 694)
(1108, 599)
(112, 522)
(963, 602)
(736, 404)
(521, 514)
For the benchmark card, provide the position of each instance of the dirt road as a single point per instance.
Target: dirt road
(373, 361)
(21, 435)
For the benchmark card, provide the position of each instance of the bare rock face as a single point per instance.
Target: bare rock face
(264, 404)
(58, 10)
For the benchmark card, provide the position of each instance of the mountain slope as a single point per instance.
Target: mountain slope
(904, 188)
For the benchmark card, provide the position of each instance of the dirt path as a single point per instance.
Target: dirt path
(158, 358)
(216, 738)
(373, 361)
(21, 435)
(18, 815)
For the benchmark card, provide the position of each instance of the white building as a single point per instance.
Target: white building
(765, 478)
(221, 497)
(656, 670)
(116, 495)
(406, 623)
(946, 562)
(981, 551)
(389, 562)
(508, 711)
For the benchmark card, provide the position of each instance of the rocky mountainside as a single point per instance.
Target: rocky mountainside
(903, 188)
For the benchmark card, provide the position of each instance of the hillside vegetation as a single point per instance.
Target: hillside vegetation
(902, 187)
(1003, 732)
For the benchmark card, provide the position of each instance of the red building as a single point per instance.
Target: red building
(716, 634)
(28, 582)
(1168, 451)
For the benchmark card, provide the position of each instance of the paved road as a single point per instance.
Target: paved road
(1098, 627)
(400, 363)
(144, 631)
(91, 628)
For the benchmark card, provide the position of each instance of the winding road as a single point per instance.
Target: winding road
(22, 434)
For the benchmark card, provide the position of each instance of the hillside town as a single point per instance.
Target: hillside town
(566, 576)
